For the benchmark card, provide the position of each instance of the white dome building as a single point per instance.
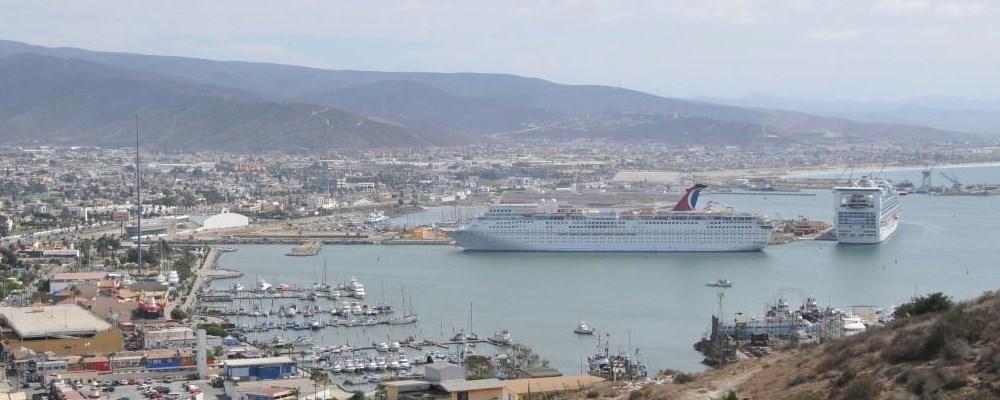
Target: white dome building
(224, 220)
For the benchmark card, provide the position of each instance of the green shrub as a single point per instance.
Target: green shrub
(915, 345)
(683, 378)
(799, 379)
(592, 394)
(862, 388)
(846, 376)
(806, 396)
(635, 395)
(932, 303)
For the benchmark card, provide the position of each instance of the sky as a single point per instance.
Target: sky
(862, 50)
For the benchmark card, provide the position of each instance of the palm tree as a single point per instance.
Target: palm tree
(319, 377)
(296, 392)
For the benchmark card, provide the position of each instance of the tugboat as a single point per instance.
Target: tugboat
(583, 329)
(721, 283)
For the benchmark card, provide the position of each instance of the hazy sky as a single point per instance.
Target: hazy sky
(837, 49)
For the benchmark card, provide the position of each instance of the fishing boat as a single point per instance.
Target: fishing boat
(583, 329)
(721, 283)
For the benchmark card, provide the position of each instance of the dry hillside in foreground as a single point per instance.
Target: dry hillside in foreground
(949, 354)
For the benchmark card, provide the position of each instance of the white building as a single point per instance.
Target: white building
(224, 220)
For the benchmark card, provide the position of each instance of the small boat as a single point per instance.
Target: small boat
(583, 329)
(502, 338)
(721, 283)
(404, 363)
(382, 347)
(394, 346)
(316, 324)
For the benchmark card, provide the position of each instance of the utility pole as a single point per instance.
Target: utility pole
(138, 198)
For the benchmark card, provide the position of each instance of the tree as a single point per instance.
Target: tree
(4, 231)
(178, 314)
(521, 357)
(358, 396)
(319, 378)
(380, 392)
(479, 367)
(214, 329)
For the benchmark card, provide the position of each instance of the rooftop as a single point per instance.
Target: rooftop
(462, 385)
(551, 384)
(79, 276)
(246, 362)
(50, 321)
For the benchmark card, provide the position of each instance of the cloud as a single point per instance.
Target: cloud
(960, 9)
(735, 11)
(835, 34)
(902, 6)
(948, 8)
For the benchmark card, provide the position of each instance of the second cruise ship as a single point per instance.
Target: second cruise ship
(867, 212)
(549, 226)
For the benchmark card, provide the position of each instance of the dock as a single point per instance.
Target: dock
(309, 248)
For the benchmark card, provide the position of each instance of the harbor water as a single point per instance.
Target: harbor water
(655, 302)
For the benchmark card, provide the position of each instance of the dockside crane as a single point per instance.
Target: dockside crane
(955, 184)
(925, 179)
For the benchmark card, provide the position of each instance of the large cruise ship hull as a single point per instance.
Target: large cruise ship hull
(884, 234)
(477, 241)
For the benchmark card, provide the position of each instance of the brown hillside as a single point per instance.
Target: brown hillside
(953, 354)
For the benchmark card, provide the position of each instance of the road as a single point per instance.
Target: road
(201, 275)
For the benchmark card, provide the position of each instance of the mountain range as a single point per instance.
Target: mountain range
(946, 113)
(75, 96)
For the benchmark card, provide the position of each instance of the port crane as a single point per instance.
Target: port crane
(925, 179)
(955, 184)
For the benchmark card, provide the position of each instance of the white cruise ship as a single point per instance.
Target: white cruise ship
(867, 212)
(549, 226)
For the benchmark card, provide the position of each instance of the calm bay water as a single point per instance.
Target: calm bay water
(657, 301)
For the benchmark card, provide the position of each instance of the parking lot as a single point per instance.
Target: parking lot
(131, 392)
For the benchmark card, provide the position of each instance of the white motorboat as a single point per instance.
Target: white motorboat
(853, 325)
(502, 337)
(583, 329)
(721, 283)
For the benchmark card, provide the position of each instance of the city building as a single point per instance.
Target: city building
(223, 220)
(444, 381)
(259, 368)
(63, 280)
(282, 389)
(64, 329)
